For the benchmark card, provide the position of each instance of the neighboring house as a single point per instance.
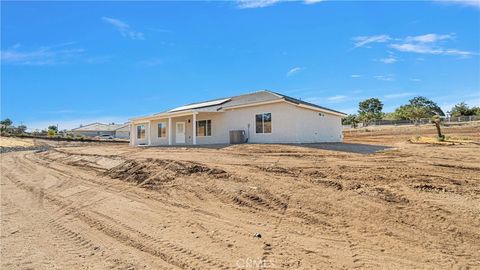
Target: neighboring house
(120, 131)
(263, 116)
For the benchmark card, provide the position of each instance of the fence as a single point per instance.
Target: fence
(422, 121)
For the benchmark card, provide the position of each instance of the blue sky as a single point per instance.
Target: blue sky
(72, 63)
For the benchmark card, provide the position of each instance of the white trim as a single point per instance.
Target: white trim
(206, 130)
(253, 104)
(263, 123)
(164, 115)
(170, 131)
(132, 135)
(184, 132)
(194, 130)
(320, 110)
(159, 132)
(136, 131)
(149, 132)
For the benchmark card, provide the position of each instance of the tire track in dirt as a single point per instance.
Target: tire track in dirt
(278, 239)
(52, 235)
(163, 249)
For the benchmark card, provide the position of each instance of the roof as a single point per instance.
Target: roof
(200, 105)
(262, 96)
(101, 127)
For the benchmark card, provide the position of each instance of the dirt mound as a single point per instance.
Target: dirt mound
(278, 170)
(430, 188)
(153, 172)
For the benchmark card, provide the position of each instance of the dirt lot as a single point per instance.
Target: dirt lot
(377, 202)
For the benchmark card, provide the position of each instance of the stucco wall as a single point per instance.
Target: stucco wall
(290, 124)
(122, 134)
(93, 133)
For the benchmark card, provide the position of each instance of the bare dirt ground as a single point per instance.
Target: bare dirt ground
(377, 202)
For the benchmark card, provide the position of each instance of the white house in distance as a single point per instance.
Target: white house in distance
(259, 117)
(120, 131)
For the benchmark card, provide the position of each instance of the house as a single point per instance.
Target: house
(120, 131)
(263, 117)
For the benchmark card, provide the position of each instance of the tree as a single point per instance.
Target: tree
(21, 129)
(476, 111)
(462, 109)
(370, 109)
(425, 106)
(402, 113)
(436, 121)
(53, 127)
(5, 124)
(418, 108)
(51, 133)
(351, 119)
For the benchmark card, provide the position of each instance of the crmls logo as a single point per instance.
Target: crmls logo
(255, 263)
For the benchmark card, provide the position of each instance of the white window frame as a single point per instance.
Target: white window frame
(206, 128)
(139, 134)
(263, 123)
(159, 131)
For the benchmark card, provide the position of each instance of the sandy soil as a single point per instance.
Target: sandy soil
(15, 142)
(376, 202)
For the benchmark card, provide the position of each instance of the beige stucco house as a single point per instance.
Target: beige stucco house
(119, 131)
(262, 117)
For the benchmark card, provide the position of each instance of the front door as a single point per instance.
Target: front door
(180, 132)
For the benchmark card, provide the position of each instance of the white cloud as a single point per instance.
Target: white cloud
(355, 76)
(364, 40)
(309, 2)
(388, 60)
(47, 55)
(422, 44)
(294, 71)
(415, 80)
(428, 44)
(124, 29)
(266, 3)
(428, 49)
(429, 38)
(471, 3)
(256, 3)
(338, 98)
(388, 77)
(398, 95)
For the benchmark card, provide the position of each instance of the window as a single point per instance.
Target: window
(263, 123)
(204, 128)
(162, 130)
(141, 132)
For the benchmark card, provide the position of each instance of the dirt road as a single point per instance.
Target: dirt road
(112, 206)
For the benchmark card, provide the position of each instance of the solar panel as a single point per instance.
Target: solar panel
(200, 105)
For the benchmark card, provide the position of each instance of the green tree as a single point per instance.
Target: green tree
(351, 119)
(418, 108)
(53, 127)
(476, 111)
(462, 109)
(403, 112)
(51, 133)
(370, 109)
(5, 124)
(21, 129)
(425, 106)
